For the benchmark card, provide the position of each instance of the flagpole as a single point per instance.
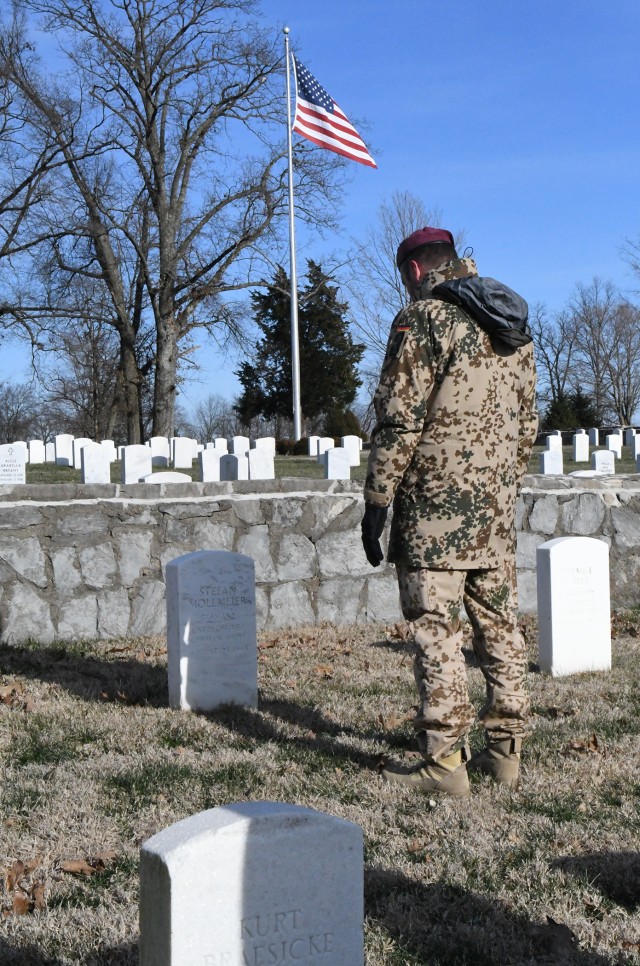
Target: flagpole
(295, 352)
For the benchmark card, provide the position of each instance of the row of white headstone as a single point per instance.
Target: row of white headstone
(602, 461)
(267, 882)
(219, 460)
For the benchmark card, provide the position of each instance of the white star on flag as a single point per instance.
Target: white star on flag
(319, 119)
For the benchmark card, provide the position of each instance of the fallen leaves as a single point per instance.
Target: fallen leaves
(88, 866)
(15, 696)
(324, 671)
(555, 712)
(25, 882)
(399, 631)
(25, 893)
(392, 721)
(589, 747)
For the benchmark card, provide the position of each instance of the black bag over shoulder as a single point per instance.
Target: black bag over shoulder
(501, 312)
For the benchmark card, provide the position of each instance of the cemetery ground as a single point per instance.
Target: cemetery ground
(94, 763)
(303, 467)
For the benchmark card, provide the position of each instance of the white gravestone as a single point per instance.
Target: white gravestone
(336, 464)
(604, 461)
(182, 455)
(110, 447)
(36, 451)
(254, 883)
(324, 443)
(136, 463)
(221, 444)
(594, 437)
(580, 448)
(234, 467)
(211, 630)
(574, 619)
(95, 466)
(352, 446)
(64, 449)
(166, 476)
(78, 443)
(551, 462)
(209, 466)
(312, 445)
(261, 465)
(160, 450)
(240, 445)
(629, 434)
(50, 452)
(614, 444)
(554, 443)
(267, 443)
(12, 463)
(635, 446)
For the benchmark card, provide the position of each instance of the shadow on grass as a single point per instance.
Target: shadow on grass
(28, 955)
(445, 925)
(89, 677)
(615, 874)
(322, 735)
(131, 682)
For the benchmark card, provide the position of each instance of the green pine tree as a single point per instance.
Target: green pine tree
(328, 355)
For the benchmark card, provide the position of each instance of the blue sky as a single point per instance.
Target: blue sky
(519, 121)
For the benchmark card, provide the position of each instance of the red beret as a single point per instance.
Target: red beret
(424, 236)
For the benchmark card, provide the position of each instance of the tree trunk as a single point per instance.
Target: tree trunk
(132, 400)
(165, 388)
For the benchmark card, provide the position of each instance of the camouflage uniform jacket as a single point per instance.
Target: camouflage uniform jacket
(456, 421)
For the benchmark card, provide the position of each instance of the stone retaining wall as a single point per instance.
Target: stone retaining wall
(88, 561)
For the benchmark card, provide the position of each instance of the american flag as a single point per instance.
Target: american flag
(319, 119)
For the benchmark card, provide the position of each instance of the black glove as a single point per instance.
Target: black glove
(373, 523)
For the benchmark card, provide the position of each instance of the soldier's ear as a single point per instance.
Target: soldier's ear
(413, 272)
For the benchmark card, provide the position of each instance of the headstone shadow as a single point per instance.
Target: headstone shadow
(616, 875)
(123, 681)
(443, 924)
(25, 954)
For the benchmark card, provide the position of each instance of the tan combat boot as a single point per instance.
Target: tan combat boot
(446, 776)
(500, 760)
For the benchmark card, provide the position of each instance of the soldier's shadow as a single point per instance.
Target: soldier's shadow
(444, 925)
(616, 875)
(313, 732)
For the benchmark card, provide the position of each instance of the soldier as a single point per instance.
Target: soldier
(456, 421)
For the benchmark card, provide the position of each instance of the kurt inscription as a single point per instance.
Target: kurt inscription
(278, 937)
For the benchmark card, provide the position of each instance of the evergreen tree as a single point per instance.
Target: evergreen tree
(328, 355)
(572, 410)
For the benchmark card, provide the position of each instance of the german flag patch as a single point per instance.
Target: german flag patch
(399, 339)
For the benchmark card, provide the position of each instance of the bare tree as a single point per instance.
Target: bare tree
(376, 292)
(169, 122)
(18, 407)
(80, 380)
(555, 342)
(593, 311)
(214, 417)
(624, 362)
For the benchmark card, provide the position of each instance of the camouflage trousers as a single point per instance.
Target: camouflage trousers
(432, 603)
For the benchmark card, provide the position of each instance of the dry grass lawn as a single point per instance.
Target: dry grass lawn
(94, 763)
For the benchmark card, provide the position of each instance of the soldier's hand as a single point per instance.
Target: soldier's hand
(373, 523)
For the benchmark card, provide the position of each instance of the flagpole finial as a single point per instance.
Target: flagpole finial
(285, 30)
